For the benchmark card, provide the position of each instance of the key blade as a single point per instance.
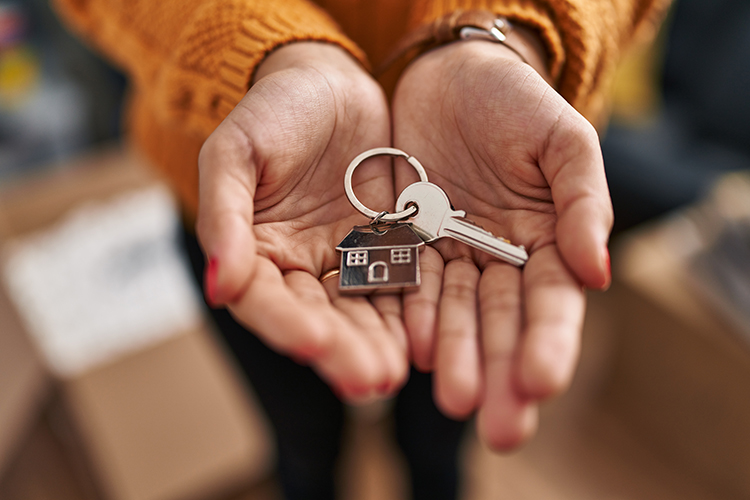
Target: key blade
(469, 233)
(436, 218)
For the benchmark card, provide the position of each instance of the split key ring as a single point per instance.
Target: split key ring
(408, 211)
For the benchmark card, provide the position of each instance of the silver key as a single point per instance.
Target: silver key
(436, 219)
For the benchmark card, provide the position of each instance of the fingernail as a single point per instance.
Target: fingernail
(209, 281)
(608, 269)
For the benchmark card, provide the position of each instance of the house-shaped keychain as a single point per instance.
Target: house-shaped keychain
(381, 257)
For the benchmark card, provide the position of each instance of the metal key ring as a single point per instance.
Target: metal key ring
(372, 214)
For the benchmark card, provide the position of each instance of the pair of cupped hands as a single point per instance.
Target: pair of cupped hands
(502, 143)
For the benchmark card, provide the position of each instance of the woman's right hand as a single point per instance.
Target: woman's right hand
(273, 208)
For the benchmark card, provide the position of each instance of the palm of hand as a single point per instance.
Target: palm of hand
(280, 197)
(503, 145)
(482, 147)
(301, 210)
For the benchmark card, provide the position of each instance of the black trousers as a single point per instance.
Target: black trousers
(308, 418)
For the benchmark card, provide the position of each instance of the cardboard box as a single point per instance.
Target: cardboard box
(682, 374)
(164, 421)
(169, 422)
(24, 382)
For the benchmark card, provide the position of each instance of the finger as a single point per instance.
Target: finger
(555, 306)
(389, 308)
(314, 332)
(384, 348)
(572, 162)
(506, 418)
(421, 309)
(265, 308)
(457, 363)
(397, 348)
(225, 214)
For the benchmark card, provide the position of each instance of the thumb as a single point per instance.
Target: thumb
(572, 162)
(227, 185)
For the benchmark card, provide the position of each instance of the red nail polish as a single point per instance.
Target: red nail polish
(608, 266)
(209, 281)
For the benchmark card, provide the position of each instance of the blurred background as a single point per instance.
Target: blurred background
(112, 385)
(56, 97)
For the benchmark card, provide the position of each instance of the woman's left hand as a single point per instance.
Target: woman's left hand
(508, 149)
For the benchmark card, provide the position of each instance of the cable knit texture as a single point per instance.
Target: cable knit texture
(584, 38)
(191, 61)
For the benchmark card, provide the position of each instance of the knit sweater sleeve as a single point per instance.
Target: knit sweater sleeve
(189, 63)
(196, 57)
(584, 38)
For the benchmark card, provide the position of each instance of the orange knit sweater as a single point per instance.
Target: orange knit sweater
(191, 61)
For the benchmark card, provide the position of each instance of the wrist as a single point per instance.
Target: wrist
(307, 55)
(465, 58)
(528, 44)
(482, 26)
(518, 43)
